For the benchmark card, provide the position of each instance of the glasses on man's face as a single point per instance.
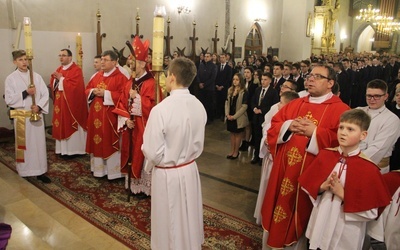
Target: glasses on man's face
(375, 97)
(317, 76)
(283, 86)
(106, 60)
(62, 55)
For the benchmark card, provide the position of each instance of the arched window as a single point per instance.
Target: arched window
(253, 41)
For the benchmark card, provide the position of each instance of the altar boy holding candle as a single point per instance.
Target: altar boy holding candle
(31, 156)
(345, 188)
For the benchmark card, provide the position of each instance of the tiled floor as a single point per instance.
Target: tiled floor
(39, 222)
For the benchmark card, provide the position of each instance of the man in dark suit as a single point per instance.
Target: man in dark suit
(206, 77)
(344, 82)
(278, 79)
(297, 77)
(222, 83)
(264, 97)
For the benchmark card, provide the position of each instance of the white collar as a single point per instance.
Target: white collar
(106, 74)
(352, 153)
(65, 67)
(138, 78)
(320, 99)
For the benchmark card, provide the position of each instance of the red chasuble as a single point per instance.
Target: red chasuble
(146, 89)
(364, 188)
(286, 209)
(102, 135)
(70, 106)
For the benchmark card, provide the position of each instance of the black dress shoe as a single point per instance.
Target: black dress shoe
(234, 157)
(43, 178)
(228, 156)
(244, 146)
(255, 160)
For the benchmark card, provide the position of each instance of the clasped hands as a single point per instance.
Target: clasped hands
(333, 183)
(98, 92)
(302, 126)
(132, 93)
(57, 75)
(130, 124)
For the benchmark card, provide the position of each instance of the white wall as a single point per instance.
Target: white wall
(294, 45)
(55, 25)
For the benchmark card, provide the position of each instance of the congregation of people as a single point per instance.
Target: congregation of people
(325, 131)
(298, 120)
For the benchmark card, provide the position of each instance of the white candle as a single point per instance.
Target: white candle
(158, 38)
(28, 37)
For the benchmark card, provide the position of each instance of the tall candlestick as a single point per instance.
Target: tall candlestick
(28, 37)
(158, 38)
(79, 52)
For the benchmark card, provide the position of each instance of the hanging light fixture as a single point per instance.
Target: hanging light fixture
(369, 14)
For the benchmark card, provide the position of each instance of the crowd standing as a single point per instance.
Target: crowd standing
(323, 129)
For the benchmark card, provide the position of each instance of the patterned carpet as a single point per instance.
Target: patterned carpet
(104, 204)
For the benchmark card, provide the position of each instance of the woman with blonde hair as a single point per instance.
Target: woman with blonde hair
(235, 113)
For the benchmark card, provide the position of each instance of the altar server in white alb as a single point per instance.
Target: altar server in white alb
(173, 140)
(30, 142)
(384, 129)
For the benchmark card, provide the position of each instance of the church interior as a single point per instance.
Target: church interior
(291, 30)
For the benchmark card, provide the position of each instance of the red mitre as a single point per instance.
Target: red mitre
(141, 49)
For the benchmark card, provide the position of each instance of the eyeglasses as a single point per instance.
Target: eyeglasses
(62, 55)
(285, 86)
(317, 77)
(106, 60)
(375, 97)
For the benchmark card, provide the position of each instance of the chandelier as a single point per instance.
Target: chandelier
(386, 25)
(368, 15)
(382, 23)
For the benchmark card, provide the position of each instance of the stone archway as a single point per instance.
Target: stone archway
(357, 34)
(254, 41)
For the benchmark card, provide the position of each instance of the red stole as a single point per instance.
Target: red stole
(364, 188)
(286, 209)
(70, 107)
(146, 90)
(102, 138)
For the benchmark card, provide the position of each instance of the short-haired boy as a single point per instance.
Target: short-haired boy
(345, 187)
(30, 137)
(172, 141)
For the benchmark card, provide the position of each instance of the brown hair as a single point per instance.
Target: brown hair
(357, 117)
(184, 71)
(18, 53)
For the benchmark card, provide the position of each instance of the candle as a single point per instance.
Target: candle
(158, 38)
(28, 37)
(79, 51)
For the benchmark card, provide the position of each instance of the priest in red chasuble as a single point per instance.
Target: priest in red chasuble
(298, 131)
(133, 109)
(103, 91)
(70, 107)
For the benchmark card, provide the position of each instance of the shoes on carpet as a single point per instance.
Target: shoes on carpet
(228, 156)
(141, 196)
(255, 160)
(43, 178)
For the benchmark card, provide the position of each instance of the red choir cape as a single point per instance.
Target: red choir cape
(392, 180)
(70, 106)
(364, 188)
(286, 209)
(102, 135)
(146, 89)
